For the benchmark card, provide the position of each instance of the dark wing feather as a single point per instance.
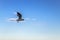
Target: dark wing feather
(19, 15)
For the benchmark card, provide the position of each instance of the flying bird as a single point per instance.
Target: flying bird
(19, 15)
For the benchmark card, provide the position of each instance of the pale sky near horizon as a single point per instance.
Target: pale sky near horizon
(43, 20)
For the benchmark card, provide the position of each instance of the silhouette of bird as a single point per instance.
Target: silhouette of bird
(19, 17)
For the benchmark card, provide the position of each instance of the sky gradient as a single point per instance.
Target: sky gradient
(43, 20)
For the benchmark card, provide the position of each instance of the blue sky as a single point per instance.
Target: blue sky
(45, 27)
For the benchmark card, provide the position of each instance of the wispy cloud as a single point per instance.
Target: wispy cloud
(12, 19)
(31, 19)
(25, 19)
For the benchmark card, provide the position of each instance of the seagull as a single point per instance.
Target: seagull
(19, 15)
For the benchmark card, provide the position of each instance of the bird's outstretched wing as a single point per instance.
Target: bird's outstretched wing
(19, 15)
